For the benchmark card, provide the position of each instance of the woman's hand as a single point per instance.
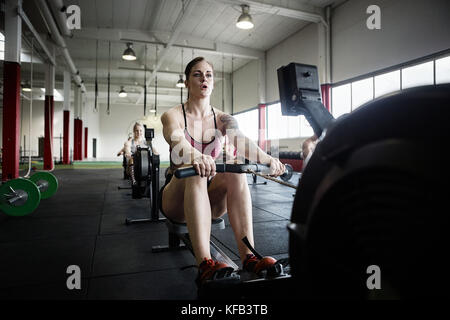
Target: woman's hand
(276, 167)
(205, 166)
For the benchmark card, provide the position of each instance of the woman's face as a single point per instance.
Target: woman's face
(201, 80)
(138, 132)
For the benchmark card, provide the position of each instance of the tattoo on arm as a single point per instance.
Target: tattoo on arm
(229, 122)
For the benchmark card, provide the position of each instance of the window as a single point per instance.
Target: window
(341, 100)
(2, 46)
(386, 83)
(248, 122)
(349, 96)
(284, 127)
(362, 91)
(443, 70)
(418, 75)
(275, 129)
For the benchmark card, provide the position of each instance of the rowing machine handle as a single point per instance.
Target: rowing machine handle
(190, 171)
(185, 172)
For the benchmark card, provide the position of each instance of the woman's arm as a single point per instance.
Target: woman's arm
(248, 148)
(127, 149)
(245, 147)
(182, 151)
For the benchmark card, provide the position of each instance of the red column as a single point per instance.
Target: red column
(66, 128)
(85, 142)
(11, 120)
(262, 127)
(75, 139)
(326, 95)
(78, 140)
(48, 133)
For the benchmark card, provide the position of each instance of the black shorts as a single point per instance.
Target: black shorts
(168, 178)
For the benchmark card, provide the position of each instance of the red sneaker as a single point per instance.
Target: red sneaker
(212, 270)
(256, 265)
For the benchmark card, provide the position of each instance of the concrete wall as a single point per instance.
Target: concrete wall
(410, 29)
(246, 87)
(217, 94)
(37, 126)
(116, 127)
(301, 47)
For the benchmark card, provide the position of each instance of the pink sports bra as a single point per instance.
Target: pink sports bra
(214, 147)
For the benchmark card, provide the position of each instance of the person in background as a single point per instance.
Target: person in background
(308, 147)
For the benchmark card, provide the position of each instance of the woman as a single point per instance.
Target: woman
(138, 140)
(196, 132)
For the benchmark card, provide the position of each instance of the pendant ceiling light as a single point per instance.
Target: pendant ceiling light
(245, 20)
(26, 87)
(122, 92)
(129, 54)
(180, 82)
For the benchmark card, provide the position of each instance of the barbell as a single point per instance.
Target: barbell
(19, 197)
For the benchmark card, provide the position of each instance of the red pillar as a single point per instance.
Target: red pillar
(66, 128)
(78, 142)
(262, 126)
(48, 133)
(11, 120)
(75, 139)
(85, 142)
(80, 139)
(326, 95)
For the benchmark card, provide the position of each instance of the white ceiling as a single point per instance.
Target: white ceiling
(202, 27)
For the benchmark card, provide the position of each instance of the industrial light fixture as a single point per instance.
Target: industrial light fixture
(245, 20)
(180, 82)
(129, 54)
(122, 92)
(26, 87)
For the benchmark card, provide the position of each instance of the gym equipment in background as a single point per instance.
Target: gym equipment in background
(19, 197)
(146, 175)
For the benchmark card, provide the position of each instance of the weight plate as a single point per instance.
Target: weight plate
(288, 174)
(20, 207)
(52, 183)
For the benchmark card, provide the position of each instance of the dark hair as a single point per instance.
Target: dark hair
(192, 63)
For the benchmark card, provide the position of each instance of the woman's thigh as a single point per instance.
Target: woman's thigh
(173, 198)
(218, 191)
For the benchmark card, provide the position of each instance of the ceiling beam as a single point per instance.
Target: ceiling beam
(301, 12)
(184, 41)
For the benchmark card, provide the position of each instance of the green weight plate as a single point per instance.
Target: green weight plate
(48, 180)
(21, 207)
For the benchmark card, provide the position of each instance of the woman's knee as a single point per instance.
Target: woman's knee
(195, 183)
(234, 180)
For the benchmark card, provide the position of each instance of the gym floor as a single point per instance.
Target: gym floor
(84, 225)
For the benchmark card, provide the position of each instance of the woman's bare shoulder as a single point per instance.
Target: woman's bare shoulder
(173, 112)
(173, 116)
